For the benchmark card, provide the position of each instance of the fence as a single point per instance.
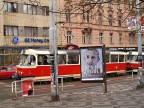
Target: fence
(20, 88)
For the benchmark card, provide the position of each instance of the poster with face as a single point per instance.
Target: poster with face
(91, 63)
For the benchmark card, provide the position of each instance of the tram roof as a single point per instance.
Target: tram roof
(40, 51)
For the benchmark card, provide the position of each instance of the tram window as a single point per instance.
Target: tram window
(33, 60)
(143, 57)
(40, 59)
(61, 59)
(107, 58)
(133, 58)
(25, 60)
(73, 59)
(114, 58)
(121, 58)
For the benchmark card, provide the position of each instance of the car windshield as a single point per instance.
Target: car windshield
(10, 68)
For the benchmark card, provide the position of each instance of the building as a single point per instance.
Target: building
(25, 24)
(97, 22)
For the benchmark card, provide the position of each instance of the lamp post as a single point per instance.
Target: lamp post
(53, 51)
(139, 43)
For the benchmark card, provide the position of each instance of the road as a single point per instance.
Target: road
(44, 88)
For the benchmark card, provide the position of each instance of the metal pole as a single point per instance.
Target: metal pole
(53, 50)
(139, 42)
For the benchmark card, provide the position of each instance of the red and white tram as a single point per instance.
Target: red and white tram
(133, 61)
(68, 63)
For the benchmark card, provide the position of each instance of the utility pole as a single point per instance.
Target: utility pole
(139, 43)
(53, 51)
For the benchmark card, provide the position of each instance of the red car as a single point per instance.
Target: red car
(7, 71)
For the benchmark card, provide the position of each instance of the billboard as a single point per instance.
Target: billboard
(27, 87)
(131, 23)
(91, 64)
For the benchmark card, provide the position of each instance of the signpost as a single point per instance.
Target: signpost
(53, 50)
(139, 42)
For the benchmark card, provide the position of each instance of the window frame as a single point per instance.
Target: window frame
(30, 9)
(11, 30)
(111, 38)
(31, 31)
(100, 37)
(10, 7)
(69, 36)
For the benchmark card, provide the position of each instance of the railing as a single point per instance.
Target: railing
(17, 89)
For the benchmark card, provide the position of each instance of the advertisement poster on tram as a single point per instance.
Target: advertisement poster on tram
(27, 87)
(91, 63)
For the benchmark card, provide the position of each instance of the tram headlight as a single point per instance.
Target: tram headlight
(22, 73)
(19, 72)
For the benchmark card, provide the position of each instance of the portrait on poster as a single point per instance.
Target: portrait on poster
(91, 63)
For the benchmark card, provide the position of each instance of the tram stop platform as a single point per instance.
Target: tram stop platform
(121, 93)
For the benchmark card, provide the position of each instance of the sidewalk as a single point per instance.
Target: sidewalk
(121, 94)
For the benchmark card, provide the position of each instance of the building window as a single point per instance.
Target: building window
(119, 20)
(30, 9)
(110, 20)
(68, 15)
(120, 38)
(118, 4)
(109, 3)
(83, 37)
(10, 7)
(31, 31)
(99, 3)
(86, 16)
(46, 31)
(100, 38)
(45, 10)
(69, 36)
(86, 37)
(111, 38)
(89, 37)
(100, 18)
(10, 30)
(131, 38)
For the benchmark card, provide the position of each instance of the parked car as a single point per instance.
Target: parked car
(7, 71)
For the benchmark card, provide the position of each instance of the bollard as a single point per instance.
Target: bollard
(132, 75)
(14, 96)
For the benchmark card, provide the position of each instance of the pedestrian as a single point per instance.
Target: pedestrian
(30, 89)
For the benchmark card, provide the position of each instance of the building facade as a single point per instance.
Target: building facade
(25, 24)
(97, 22)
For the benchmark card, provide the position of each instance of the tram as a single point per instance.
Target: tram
(68, 63)
(133, 61)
